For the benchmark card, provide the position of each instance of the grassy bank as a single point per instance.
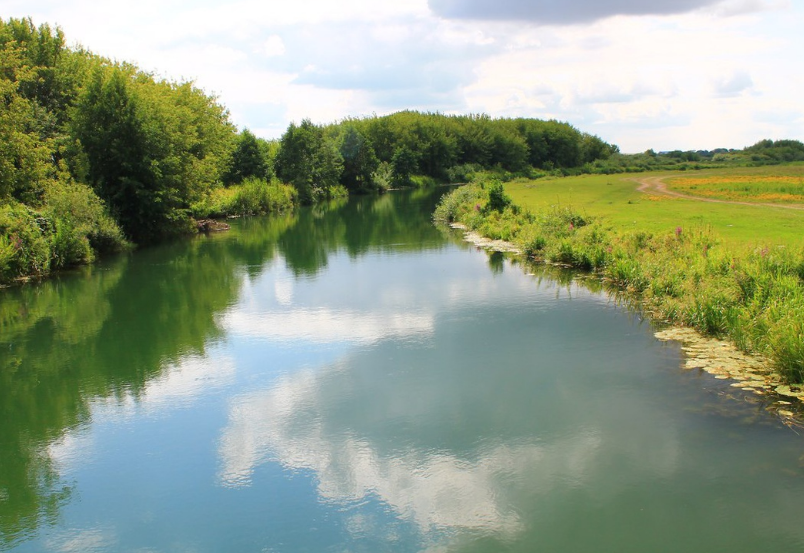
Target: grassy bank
(681, 270)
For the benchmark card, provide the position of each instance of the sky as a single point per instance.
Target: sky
(660, 74)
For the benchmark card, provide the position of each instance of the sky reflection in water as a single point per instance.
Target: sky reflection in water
(396, 391)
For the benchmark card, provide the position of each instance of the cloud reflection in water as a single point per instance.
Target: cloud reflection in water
(435, 489)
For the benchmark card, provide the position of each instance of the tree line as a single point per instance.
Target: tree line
(97, 155)
(410, 148)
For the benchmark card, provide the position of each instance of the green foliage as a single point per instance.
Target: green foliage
(24, 243)
(456, 205)
(152, 148)
(768, 151)
(461, 174)
(433, 144)
(252, 197)
(309, 161)
(359, 160)
(68, 118)
(383, 176)
(250, 158)
(69, 246)
(78, 208)
(70, 229)
(404, 165)
(498, 200)
(24, 156)
(764, 152)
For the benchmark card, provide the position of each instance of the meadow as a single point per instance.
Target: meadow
(616, 199)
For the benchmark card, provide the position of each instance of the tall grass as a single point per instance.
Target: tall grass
(252, 197)
(751, 296)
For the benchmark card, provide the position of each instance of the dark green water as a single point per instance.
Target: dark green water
(353, 379)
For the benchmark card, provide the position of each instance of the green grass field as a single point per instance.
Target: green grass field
(615, 198)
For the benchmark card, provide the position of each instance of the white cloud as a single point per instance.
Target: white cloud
(273, 46)
(325, 421)
(730, 8)
(734, 84)
(661, 61)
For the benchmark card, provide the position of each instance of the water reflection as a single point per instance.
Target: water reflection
(228, 393)
(134, 334)
(457, 433)
(327, 326)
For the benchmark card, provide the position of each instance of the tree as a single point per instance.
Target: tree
(249, 159)
(509, 149)
(113, 131)
(24, 156)
(151, 148)
(308, 161)
(359, 160)
(436, 148)
(403, 165)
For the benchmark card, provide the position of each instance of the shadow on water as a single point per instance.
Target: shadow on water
(105, 331)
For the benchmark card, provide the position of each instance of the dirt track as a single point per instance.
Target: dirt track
(657, 187)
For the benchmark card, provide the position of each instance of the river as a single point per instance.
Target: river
(352, 378)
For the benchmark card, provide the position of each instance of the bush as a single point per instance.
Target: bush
(498, 199)
(78, 211)
(24, 243)
(253, 197)
(383, 177)
(423, 180)
(69, 246)
(463, 173)
(456, 204)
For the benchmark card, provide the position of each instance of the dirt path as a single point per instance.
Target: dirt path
(657, 187)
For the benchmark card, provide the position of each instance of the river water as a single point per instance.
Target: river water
(352, 378)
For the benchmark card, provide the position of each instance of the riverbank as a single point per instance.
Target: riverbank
(751, 297)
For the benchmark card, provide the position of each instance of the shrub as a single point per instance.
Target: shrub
(498, 199)
(463, 173)
(77, 210)
(69, 246)
(253, 197)
(24, 242)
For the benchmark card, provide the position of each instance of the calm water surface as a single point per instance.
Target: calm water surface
(353, 379)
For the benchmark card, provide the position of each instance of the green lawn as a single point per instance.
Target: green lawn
(615, 198)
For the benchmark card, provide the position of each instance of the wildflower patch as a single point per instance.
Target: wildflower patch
(783, 189)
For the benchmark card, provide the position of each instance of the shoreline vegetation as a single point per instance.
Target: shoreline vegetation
(98, 156)
(750, 296)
